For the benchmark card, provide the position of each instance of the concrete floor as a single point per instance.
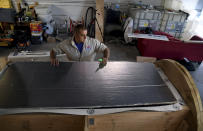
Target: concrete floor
(119, 51)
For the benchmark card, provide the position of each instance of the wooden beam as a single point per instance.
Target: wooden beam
(42, 122)
(124, 121)
(100, 20)
(3, 62)
(145, 59)
(182, 80)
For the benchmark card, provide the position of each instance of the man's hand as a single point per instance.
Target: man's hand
(54, 62)
(104, 61)
(106, 56)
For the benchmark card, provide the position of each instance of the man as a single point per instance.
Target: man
(80, 47)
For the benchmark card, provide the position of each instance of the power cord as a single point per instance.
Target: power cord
(91, 25)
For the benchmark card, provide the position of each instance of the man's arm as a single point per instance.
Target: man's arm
(56, 51)
(101, 47)
(106, 55)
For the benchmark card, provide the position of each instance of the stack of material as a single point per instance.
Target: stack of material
(5, 4)
(36, 32)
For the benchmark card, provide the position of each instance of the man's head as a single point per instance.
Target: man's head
(80, 33)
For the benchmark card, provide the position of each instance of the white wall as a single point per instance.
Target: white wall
(76, 9)
(189, 4)
(194, 24)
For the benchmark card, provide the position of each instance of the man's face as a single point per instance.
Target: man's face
(81, 36)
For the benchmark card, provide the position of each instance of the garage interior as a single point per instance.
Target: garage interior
(152, 81)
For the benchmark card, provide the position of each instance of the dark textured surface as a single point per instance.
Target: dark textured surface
(198, 78)
(7, 15)
(78, 85)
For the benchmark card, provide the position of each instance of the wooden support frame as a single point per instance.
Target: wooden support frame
(188, 119)
(124, 121)
(182, 80)
(138, 121)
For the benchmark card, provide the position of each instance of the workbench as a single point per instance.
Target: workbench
(86, 96)
(33, 56)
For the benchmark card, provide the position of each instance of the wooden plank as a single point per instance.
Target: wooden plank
(3, 62)
(131, 121)
(184, 83)
(138, 121)
(145, 59)
(42, 122)
(100, 20)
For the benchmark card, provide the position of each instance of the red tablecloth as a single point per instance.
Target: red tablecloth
(176, 50)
